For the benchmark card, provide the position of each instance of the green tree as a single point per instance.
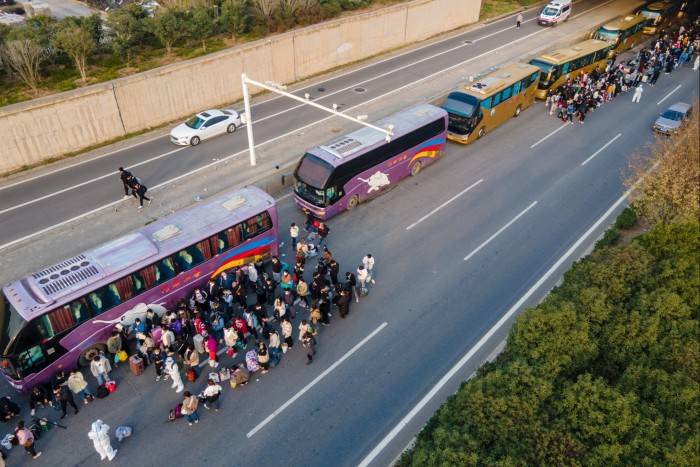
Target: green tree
(126, 28)
(233, 18)
(76, 42)
(169, 27)
(200, 26)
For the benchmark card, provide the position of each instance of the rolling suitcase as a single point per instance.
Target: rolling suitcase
(136, 365)
(198, 343)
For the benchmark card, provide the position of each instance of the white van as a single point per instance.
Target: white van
(555, 12)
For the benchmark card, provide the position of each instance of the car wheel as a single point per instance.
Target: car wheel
(88, 354)
(353, 202)
(231, 127)
(415, 170)
(194, 141)
(517, 111)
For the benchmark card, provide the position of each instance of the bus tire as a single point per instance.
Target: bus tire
(353, 202)
(88, 354)
(416, 168)
(481, 133)
(518, 109)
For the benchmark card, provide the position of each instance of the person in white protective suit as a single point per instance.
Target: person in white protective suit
(173, 370)
(100, 437)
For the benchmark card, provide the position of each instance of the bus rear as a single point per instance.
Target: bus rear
(346, 171)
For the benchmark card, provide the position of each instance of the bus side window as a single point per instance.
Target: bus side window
(516, 88)
(506, 93)
(486, 103)
(331, 193)
(222, 242)
(534, 77)
(564, 68)
(80, 310)
(496, 99)
(164, 270)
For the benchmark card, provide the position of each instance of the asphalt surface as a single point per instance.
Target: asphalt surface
(520, 225)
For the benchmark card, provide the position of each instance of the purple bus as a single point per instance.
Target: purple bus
(61, 317)
(346, 171)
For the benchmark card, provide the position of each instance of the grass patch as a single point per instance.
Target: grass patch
(493, 8)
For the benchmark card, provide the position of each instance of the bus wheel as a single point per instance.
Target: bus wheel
(90, 353)
(415, 170)
(481, 133)
(517, 111)
(353, 202)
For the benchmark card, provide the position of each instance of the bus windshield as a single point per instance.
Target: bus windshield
(11, 323)
(311, 176)
(603, 34)
(461, 108)
(548, 75)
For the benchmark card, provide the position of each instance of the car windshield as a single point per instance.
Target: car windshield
(194, 122)
(549, 11)
(673, 115)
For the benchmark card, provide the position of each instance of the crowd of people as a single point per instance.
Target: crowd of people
(588, 91)
(251, 309)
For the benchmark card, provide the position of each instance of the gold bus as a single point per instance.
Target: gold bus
(490, 101)
(622, 33)
(561, 64)
(660, 14)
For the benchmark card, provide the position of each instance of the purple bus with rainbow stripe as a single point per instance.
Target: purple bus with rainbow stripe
(353, 168)
(61, 317)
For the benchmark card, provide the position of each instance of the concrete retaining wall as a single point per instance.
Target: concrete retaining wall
(51, 126)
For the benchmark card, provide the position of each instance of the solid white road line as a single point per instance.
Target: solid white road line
(669, 94)
(315, 381)
(599, 150)
(443, 205)
(500, 231)
(468, 356)
(560, 128)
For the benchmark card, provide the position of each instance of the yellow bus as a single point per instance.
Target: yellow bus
(490, 101)
(622, 34)
(561, 64)
(660, 14)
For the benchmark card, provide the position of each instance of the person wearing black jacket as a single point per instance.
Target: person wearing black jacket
(128, 180)
(39, 396)
(141, 190)
(333, 270)
(64, 396)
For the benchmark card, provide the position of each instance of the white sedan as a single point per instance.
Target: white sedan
(205, 125)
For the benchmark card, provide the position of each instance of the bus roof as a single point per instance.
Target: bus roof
(621, 24)
(499, 79)
(564, 55)
(357, 142)
(658, 6)
(57, 283)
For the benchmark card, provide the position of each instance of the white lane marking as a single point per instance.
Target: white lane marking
(60, 169)
(72, 187)
(475, 251)
(286, 134)
(552, 133)
(468, 356)
(315, 381)
(669, 94)
(601, 149)
(443, 205)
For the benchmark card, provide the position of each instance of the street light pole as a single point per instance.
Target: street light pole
(248, 119)
(279, 89)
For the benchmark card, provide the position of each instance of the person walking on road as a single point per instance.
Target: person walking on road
(310, 346)
(64, 397)
(127, 179)
(518, 20)
(173, 371)
(638, 93)
(294, 233)
(99, 434)
(100, 368)
(368, 263)
(141, 190)
(25, 439)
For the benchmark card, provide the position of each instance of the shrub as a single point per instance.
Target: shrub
(611, 237)
(627, 219)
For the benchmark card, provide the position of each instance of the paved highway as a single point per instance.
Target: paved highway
(459, 249)
(33, 203)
